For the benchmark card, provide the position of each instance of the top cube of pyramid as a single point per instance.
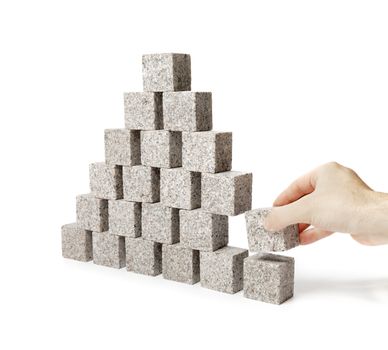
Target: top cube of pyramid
(166, 72)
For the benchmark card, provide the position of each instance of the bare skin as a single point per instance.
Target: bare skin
(332, 198)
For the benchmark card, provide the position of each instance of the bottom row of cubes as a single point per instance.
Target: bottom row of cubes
(265, 277)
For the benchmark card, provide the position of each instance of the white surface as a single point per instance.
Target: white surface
(298, 82)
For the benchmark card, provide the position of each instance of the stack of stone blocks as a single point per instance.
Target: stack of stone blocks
(160, 202)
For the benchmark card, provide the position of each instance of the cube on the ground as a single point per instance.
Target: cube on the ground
(161, 148)
(160, 223)
(203, 231)
(92, 213)
(180, 264)
(180, 188)
(108, 249)
(207, 151)
(122, 147)
(143, 256)
(187, 111)
(261, 240)
(222, 270)
(106, 181)
(166, 72)
(76, 243)
(143, 110)
(141, 184)
(269, 278)
(227, 193)
(125, 218)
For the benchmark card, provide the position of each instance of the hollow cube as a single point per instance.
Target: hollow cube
(122, 146)
(269, 278)
(106, 181)
(227, 193)
(166, 72)
(76, 243)
(108, 250)
(143, 256)
(124, 218)
(92, 213)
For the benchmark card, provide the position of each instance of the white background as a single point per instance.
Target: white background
(298, 82)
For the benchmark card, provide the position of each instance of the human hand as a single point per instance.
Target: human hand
(332, 198)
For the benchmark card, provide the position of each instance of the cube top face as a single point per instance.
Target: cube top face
(92, 213)
(187, 111)
(108, 250)
(124, 218)
(106, 180)
(143, 110)
(207, 151)
(166, 72)
(122, 147)
(76, 243)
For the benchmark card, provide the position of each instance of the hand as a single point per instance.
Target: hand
(332, 198)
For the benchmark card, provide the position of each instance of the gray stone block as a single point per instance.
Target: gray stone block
(143, 110)
(76, 243)
(122, 147)
(261, 240)
(143, 256)
(203, 231)
(180, 188)
(180, 264)
(92, 213)
(222, 270)
(269, 278)
(125, 218)
(161, 148)
(187, 111)
(108, 250)
(207, 151)
(141, 184)
(160, 223)
(106, 181)
(166, 72)
(227, 193)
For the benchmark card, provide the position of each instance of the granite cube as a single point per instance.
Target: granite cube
(92, 213)
(166, 72)
(269, 278)
(180, 188)
(124, 218)
(180, 264)
(203, 231)
(207, 151)
(261, 240)
(161, 148)
(187, 111)
(122, 147)
(76, 243)
(227, 193)
(143, 110)
(108, 250)
(143, 256)
(106, 181)
(160, 223)
(141, 184)
(222, 270)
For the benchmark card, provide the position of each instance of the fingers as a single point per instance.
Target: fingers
(302, 227)
(312, 235)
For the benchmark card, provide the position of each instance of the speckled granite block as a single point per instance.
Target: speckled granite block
(227, 193)
(180, 188)
(166, 72)
(106, 181)
(143, 256)
(76, 243)
(160, 223)
(203, 231)
(124, 218)
(261, 240)
(108, 250)
(187, 111)
(143, 110)
(161, 148)
(222, 270)
(92, 213)
(180, 264)
(141, 184)
(269, 278)
(122, 147)
(207, 151)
